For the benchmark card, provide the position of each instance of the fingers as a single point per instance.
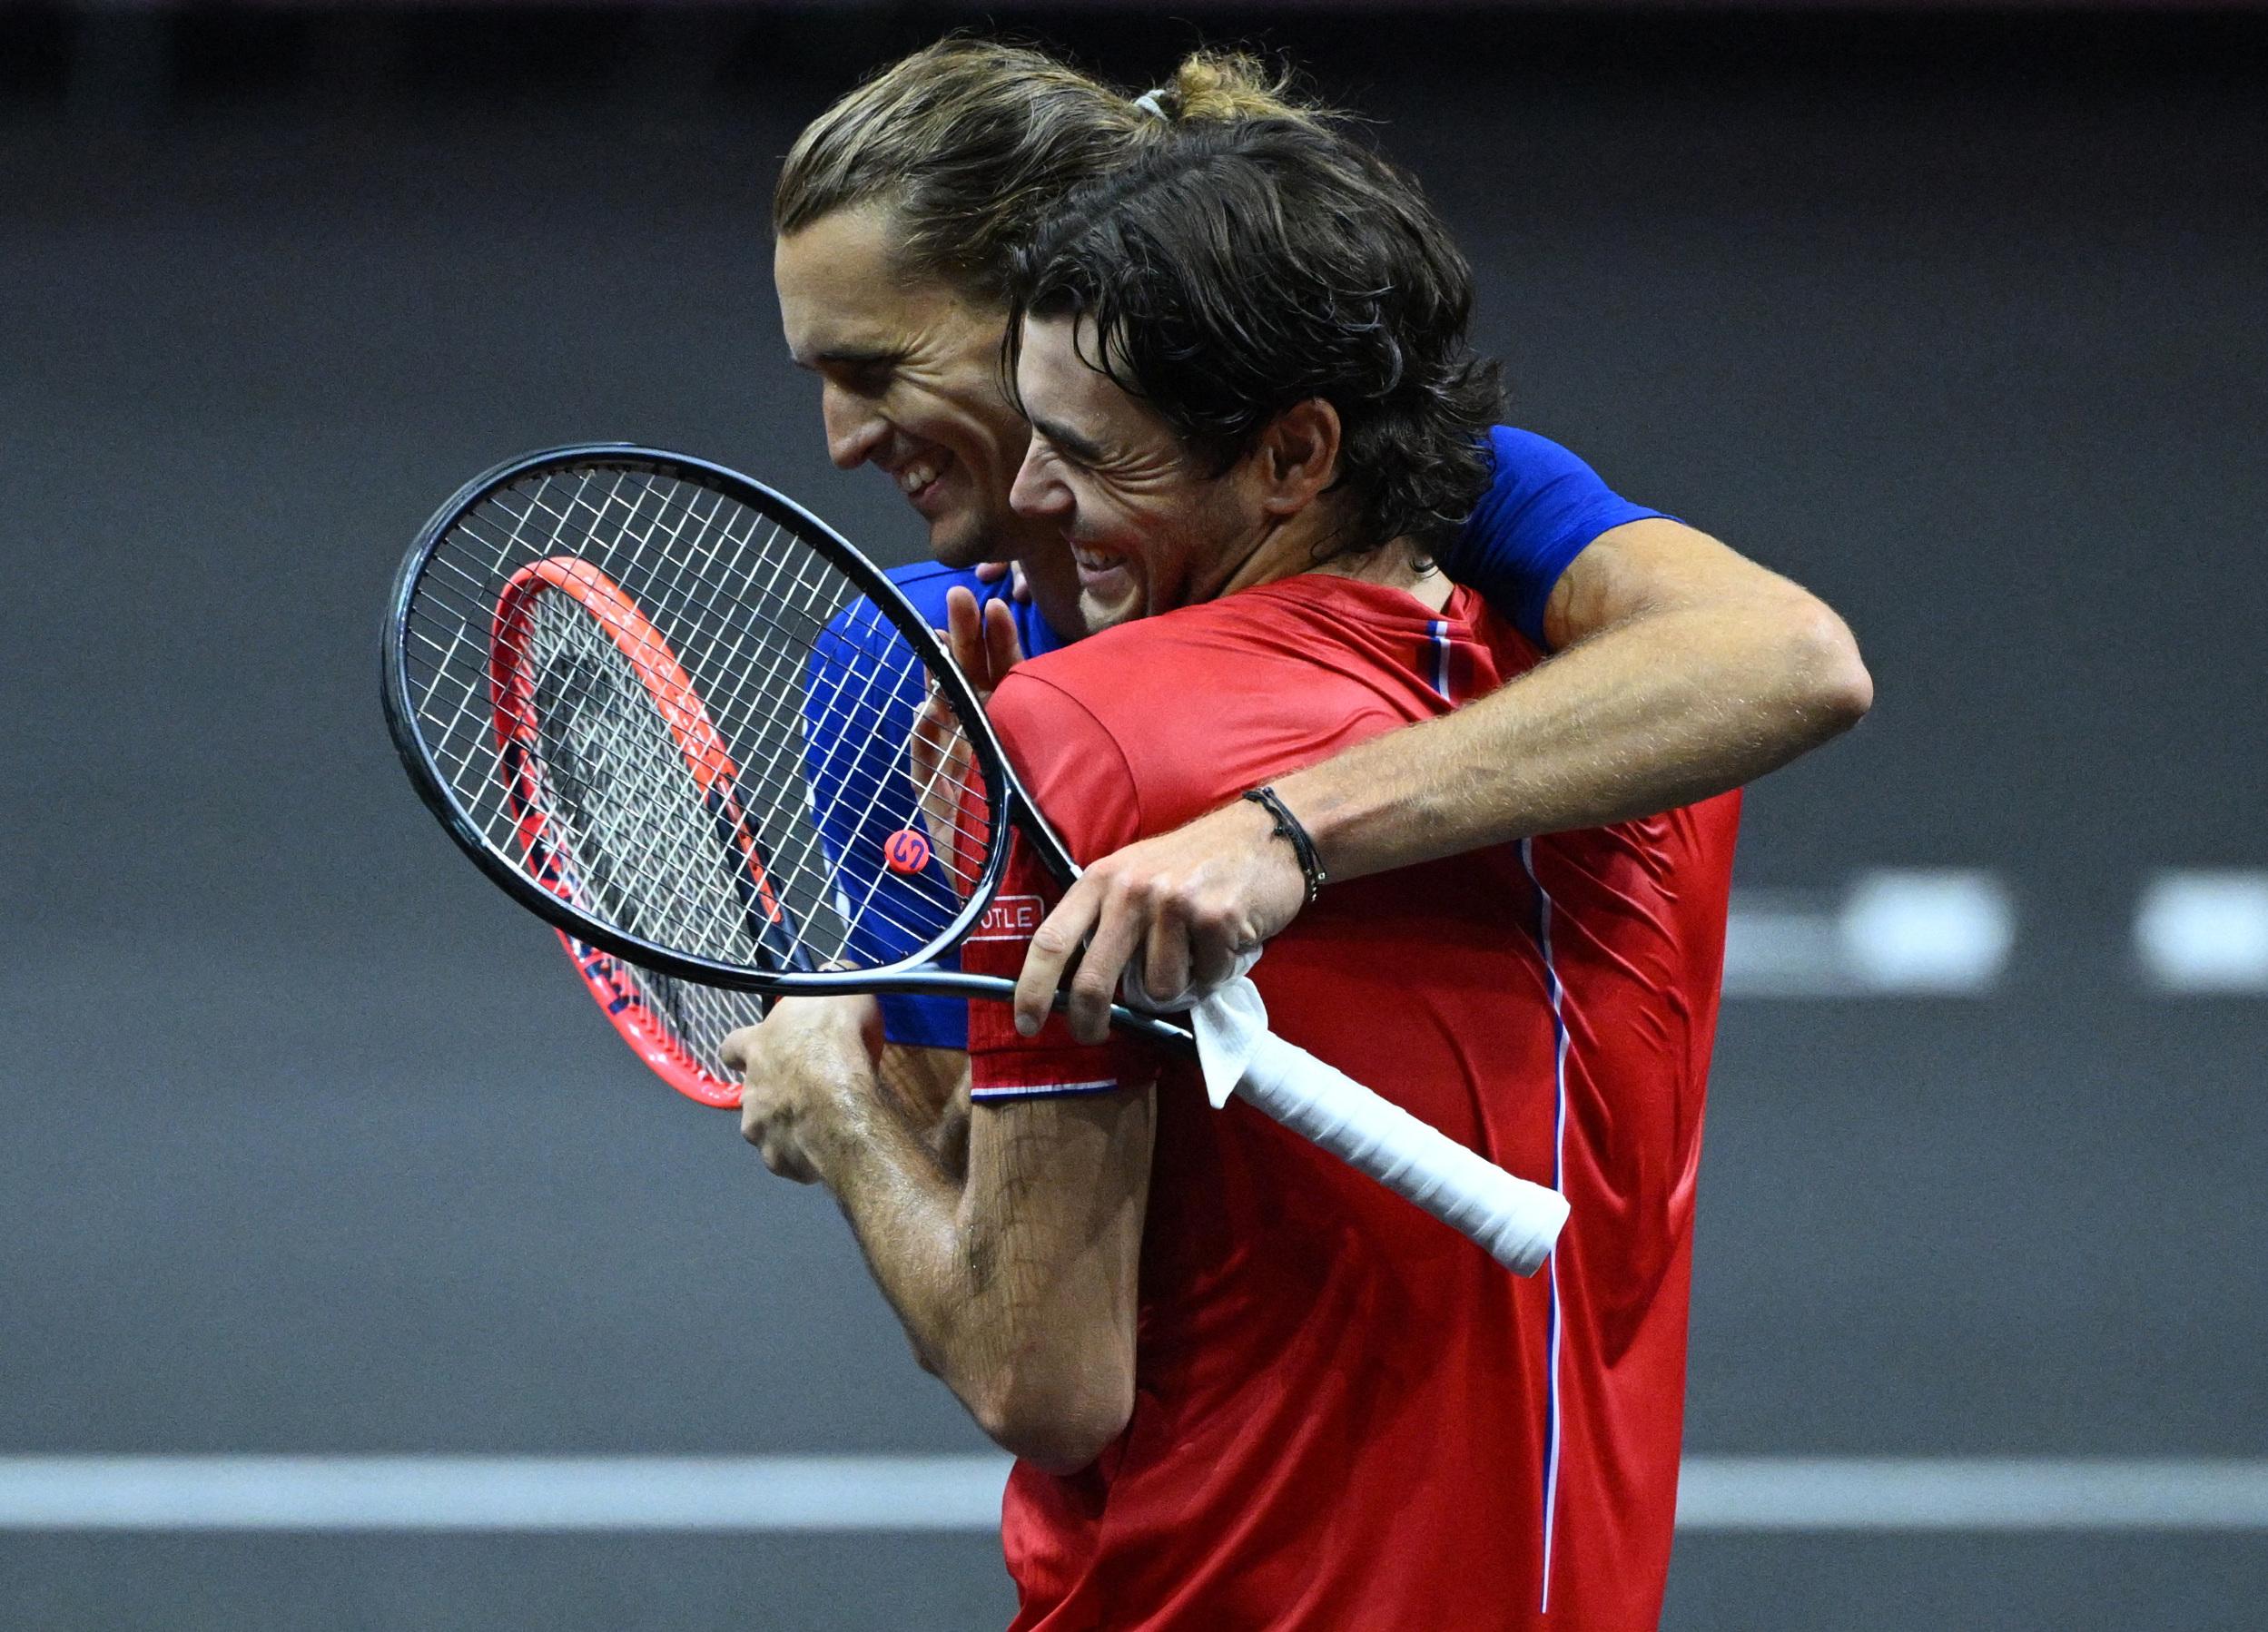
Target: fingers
(964, 637)
(992, 572)
(792, 1064)
(1003, 650)
(764, 1126)
(1053, 945)
(1124, 912)
(1195, 938)
(786, 1158)
(1214, 944)
(1110, 946)
(1165, 951)
(1188, 902)
(1022, 587)
(937, 761)
(733, 1052)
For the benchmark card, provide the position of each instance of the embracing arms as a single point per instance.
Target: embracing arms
(1682, 670)
(1016, 1280)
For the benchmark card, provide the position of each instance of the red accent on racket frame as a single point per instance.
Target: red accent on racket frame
(607, 980)
(511, 690)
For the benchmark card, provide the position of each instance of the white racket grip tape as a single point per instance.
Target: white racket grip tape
(1514, 1221)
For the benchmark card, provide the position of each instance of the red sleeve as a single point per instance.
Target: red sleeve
(1078, 777)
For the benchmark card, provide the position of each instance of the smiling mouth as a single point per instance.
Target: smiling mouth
(916, 478)
(1096, 564)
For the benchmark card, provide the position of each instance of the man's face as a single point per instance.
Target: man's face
(910, 380)
(1150, 528)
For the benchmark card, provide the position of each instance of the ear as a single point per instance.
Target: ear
(1297, 457)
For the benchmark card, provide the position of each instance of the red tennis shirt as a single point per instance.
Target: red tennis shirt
(1346, 1416)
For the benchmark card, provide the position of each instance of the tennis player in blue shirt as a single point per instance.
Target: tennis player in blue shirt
(1683, 668)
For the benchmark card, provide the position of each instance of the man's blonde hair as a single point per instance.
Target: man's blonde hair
(971, 144)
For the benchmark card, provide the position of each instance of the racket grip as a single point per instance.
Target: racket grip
(1513, 1221)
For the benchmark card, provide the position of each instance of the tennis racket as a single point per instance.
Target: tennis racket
(684, 721)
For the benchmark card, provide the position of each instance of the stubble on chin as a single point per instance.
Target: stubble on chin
(961, 542)
(959, 546)
(1098, 615)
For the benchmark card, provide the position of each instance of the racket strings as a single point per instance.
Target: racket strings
(872, 661)
(618, 813)
(872, 658)
(761, 837)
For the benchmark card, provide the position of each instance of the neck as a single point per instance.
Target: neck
(1290, 549)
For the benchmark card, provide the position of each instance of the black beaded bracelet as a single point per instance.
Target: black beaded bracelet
(1287, 828)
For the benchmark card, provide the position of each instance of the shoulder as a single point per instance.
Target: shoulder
(1521, 463)
(1285, 638)
(1072, 762)
(1543, 508)
(1211, 649)
(1109, 729)
(923, 585)
(1186, 708)
(926, 583)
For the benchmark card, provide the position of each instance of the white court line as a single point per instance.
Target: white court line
(1971, 1493)
(856, 1493)
(501, 1493)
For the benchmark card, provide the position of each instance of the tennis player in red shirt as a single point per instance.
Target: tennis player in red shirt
(1249, 1388)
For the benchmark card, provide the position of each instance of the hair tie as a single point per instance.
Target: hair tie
(1152, 104)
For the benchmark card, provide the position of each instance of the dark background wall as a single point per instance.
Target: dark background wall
(311, 1145)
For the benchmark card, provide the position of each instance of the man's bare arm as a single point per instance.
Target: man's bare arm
(929, 1088)
(1684, 670)
(1015, 1283)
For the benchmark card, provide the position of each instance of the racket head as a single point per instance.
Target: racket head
(740, 639)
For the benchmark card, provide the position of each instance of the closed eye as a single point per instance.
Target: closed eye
(860, 371)
(1068, 445)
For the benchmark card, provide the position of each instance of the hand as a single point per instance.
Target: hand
(807, 1069)
(992, 572)
(938, 756)
(1185, 903)
(986, 647)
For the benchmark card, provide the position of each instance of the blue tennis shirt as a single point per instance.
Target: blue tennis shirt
(1543, 506)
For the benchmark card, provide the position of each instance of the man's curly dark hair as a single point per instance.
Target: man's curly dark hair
(1236, 268)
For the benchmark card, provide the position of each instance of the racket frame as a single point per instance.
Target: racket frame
(917, 973)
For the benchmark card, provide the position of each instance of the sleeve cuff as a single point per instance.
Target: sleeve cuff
(1002, 1094)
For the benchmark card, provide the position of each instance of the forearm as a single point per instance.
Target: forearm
(906, 1209)
(1009, 1287)
(930, 1089)
(1665, 708)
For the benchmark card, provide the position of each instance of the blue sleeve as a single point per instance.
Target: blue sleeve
(860, 795)
(1542, 507)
